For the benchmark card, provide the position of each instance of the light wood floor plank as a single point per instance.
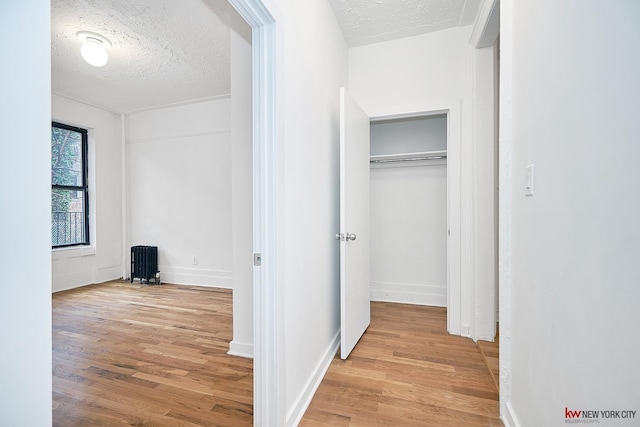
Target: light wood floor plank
(407, 371)
(491, 351)
(132, 354)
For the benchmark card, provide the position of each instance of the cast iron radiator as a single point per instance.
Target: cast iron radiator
(144, 263)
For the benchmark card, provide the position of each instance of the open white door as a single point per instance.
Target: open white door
(354, 223)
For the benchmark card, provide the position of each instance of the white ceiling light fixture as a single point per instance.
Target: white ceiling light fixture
(94, 48)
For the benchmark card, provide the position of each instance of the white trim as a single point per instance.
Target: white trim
(240, 349)
(454, 219)
(107, 274)
(196, 276)
(465, 331)
(305, 397)
(138, 110)
(71, 98)
(123, 165)
(73, 280)
(410, 113)
(472, 247)
(152, 139)
(72, 252)
(483, 148)
(180, 103)
(453, 109)
(408, 293)
(486, 26)
(505, 204)
(509, 417)
(268, 366)
(80, 278)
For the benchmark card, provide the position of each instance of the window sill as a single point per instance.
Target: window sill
(73, 252)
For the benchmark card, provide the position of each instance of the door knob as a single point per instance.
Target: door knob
(351, 236)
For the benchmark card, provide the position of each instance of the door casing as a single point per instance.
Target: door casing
(454, 244)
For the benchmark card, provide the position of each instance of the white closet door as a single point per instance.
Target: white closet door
(354, 223)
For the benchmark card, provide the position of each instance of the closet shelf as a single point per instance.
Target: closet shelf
(409, 157)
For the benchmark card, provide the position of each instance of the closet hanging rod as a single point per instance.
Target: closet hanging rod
(408, 159)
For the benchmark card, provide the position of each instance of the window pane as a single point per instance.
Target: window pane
(67, 217)
(66, 157)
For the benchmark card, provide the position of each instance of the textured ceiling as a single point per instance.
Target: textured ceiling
(164, 51)
(171, 51)
(371, 21)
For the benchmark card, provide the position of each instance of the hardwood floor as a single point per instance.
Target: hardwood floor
(132, 354)
(491, 353)
(407, 371)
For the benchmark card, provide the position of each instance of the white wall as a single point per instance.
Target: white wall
(179, 190)
(410, 135)
(409, 234)
(312, 59)
(241, 187)
(25, 233)
(569, 254)
(396, 75)
(411, 75)
(102, 260)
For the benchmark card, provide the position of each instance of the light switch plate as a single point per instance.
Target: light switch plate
(528, 187)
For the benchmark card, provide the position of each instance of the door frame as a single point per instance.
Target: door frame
(452, 109)
(268, 326)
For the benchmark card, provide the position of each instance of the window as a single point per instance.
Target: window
(69, 196)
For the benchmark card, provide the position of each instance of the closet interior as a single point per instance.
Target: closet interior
(408, 211)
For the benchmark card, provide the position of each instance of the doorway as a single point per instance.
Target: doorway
(268, 386)
(409, 210)
(446, 116)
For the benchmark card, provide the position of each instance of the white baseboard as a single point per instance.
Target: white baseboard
(240, 349)
(81, 277)
(106, 274)
(71, 280)
(409, 293)
(304, 399)
(197, 277)
(509, 418)
(465, 331)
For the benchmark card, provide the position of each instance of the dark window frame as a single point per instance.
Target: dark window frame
(84, 188)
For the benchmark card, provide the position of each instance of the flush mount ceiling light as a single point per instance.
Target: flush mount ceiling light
(94, 48)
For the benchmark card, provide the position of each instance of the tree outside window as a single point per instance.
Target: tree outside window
(69, 201)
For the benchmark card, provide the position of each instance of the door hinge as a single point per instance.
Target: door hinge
(257, 259)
